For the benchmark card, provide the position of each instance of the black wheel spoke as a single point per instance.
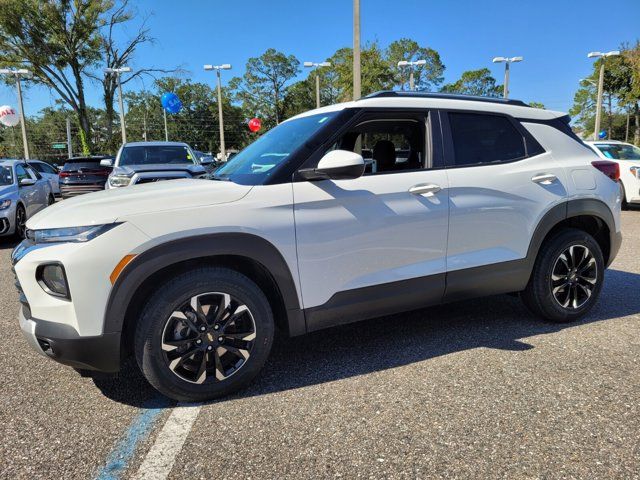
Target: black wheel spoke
(171, 345)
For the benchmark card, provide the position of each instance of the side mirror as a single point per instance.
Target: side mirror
(106, 162)
(27, 182)
(336, 165)
(206, 160)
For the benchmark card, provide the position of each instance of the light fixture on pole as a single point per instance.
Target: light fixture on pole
(17, 73)
(600, 85)
(217, 68)
(507, 61)
(117, 72)
(316, 66)
(405, 63)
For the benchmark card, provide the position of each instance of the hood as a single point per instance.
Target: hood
(108, 206)
(159, 167)
(7, 191)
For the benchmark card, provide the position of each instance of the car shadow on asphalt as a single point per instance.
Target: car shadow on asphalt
(499, 322)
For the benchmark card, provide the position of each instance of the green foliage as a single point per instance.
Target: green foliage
(475, 82)
(537, 105)
(263, 87)
(427, 77)
(59, 40)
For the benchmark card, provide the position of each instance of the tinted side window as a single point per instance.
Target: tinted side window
(479, 138)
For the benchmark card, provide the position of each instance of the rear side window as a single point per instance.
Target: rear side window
(479, 139)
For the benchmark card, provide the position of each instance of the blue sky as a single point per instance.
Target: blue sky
(553, 36)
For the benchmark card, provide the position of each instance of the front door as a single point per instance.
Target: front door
(375, 244)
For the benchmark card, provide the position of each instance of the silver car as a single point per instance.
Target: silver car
(49, 172)
(23, 193)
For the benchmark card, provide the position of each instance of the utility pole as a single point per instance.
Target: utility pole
(405, 63)
(357, 79)
(166, 132)
(596, 130)
(316, 66)
(507, 62)
(69, 146)
(626, 135)
(17, 73)
(117, 72)
(217, 68)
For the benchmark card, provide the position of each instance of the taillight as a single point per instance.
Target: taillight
(63, 174)
(610, 169)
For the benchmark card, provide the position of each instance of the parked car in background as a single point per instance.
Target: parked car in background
(83, 175)
(48, 172)
(627, 156)
(146, 162)
(23, 193)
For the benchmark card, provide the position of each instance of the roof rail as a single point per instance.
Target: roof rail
(446, 96)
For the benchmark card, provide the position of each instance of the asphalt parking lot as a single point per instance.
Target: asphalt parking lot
(478, 389)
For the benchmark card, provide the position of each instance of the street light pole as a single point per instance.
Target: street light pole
(316, 66)
(17, 73)
(405, 63)
(600, 86)
(217, 68)
(507, 67)
(357, 80)
(117, 72)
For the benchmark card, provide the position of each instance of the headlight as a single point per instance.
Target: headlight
(4, 204)
(69, 234)
(119, 181)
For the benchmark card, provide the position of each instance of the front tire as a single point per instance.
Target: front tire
(623, 197)
(21, 222)
(567, 277)
(204, 334)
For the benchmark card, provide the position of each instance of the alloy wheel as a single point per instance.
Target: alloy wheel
(208, 338)
(574, 277)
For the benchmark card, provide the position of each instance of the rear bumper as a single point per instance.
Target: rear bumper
(63, 344)
(72, 190)
(616, 242)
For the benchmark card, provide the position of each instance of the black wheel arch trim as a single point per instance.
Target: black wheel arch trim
(247, 245)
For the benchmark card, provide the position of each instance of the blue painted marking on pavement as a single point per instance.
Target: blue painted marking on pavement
(140, 427)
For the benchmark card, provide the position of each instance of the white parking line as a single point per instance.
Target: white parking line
(162, 454)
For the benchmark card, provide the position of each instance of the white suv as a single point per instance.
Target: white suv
(456, 197)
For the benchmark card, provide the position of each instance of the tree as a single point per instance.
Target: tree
(475, 82)
(536, 105)
(263, 87)
(116, 55)
(60, 41)
(375, 71)
(426, 77)
(301, 95)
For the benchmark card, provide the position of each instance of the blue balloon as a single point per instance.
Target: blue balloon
(170, 102)
(602, 134)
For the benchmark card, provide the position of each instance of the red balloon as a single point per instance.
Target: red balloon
(255, 124)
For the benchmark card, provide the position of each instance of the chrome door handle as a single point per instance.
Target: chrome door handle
(424, 189)
(544, 178)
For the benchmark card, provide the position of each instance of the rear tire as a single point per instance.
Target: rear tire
(204, 334)
(623, 197)
(567, 277)
(51, 200)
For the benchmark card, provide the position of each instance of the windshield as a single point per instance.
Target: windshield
(6, 176)
(260, 159)
(155, 154)
(619, 151)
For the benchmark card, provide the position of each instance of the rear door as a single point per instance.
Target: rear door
(501, 183)
(28, 193)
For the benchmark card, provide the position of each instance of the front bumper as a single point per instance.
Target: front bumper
(7, 219)
(63, 344)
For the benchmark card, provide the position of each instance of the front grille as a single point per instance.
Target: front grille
(22, 298)
(154, 179)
